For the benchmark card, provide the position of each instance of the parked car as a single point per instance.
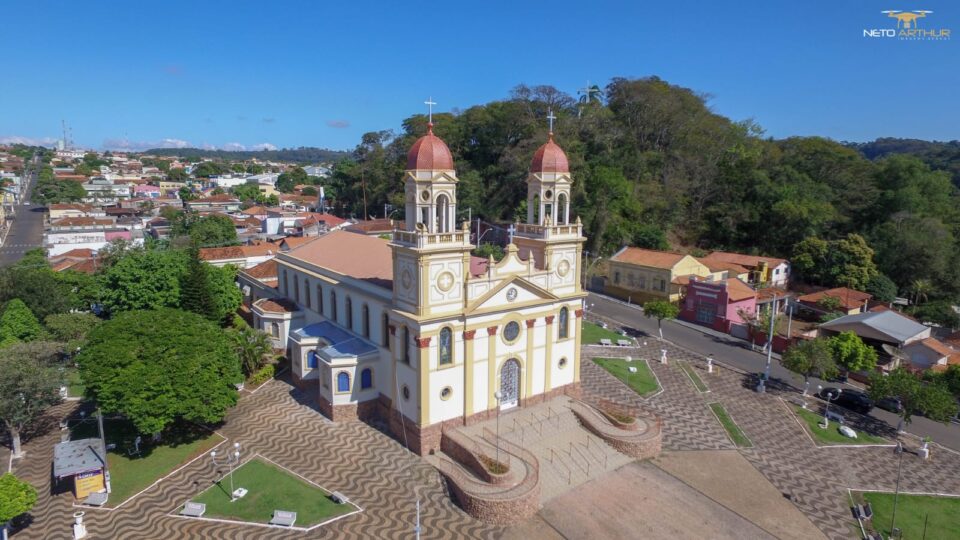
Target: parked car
(891, 404)
(854, 400)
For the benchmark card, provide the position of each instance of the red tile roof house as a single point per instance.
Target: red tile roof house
(239, 256)
(770, 271)
(718, 304)
(851, 301)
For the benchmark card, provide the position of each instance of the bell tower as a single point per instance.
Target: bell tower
(548, 236)
(431, 257)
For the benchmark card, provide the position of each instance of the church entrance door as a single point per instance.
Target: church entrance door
(510, 384)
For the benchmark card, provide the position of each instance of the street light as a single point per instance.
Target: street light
(232, 460)
(829, 397)
(498, 395)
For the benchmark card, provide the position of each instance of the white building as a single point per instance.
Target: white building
(419, 332)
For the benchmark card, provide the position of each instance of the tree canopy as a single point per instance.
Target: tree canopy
(810, 358)
(934, 400)
(16, 497)
(30, 382)
(851, 353)
(157, 366)
(17, 323)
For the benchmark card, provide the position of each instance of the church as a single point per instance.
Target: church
(417, 332)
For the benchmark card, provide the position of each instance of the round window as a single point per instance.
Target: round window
(425, 195)
(406, 392)
(562, 363)
(446, 393)
(511, 331)
(548, 195)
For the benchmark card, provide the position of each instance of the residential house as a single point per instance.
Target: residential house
(65, 239)
(638, 275)
(718, 303)
(100, 189)
(146, 191)
(764, 271)
(215, 203)
(168, 187)
(240, 256)
(258, 282)
(927, 353)
(57, 211)
(851, 301)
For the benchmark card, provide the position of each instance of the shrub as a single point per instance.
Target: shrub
(263, 375)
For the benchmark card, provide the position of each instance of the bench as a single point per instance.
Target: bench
(835, 416)
(96, 499)
(284, 518)
(624, 343)
(192, 509)
(339, 498)
(606, 342)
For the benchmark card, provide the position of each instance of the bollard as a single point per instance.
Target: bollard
(709, 364)
(79, 529)
(663, 356)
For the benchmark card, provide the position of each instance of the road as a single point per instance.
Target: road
(737, 353)
(26, 231)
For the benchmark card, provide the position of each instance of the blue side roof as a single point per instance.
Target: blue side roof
(342, 343)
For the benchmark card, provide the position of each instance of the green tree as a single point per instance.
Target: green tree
(178, 175)
(309, 191)
(143, 280)
(291, 178)
(847, 262)
(913, 395)
(940, 312)
(18, 324)
(40, 288)
(829, 303)
(206, 169)
(252, 346)
(486, 250)
(851, 353)
(213, 231)
(920, 290)
(71, 329)
(16, 498)
(254, 168)
(247, 193)
(222, 283)
(155, 367)
(186, 194)
(29, 383)
(660, 309)
(195, 293)
(810, 358)
(882, 288)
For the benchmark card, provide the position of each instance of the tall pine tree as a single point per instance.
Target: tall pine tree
(195, 289)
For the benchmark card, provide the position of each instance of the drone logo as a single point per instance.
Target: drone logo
(908, 27)
(907, 19)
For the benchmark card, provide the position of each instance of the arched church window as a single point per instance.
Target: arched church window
(446, 346)
(562, 209)
(349, 313)
(443, 214)
(343, 382)
(365, 321)
(385, 330)
(366, 379)
(319, 299)
(275, 329)
(312, 359)
(333, 305)
(406, 345)
(535, 203)
(564, 323)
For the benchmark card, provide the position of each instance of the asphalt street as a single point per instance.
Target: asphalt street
(26, 231)
(737, 353)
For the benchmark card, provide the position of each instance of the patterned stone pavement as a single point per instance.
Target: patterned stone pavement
(370, 468)
(815, 479)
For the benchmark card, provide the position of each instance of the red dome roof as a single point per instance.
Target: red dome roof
(550, 158)
(429, 153)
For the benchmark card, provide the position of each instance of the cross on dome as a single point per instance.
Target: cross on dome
(430, 103)
(551, 118)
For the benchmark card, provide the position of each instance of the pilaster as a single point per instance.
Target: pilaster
(468, 346)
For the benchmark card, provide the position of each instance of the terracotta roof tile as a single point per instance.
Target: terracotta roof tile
(237, 252)
(648, 257)
(741, 259)
(366, 258)
(276, 305)
(263, 271)
(849, 298)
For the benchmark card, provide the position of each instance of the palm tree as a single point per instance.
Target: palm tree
(920, 288)
(590, 93)
(252, 348)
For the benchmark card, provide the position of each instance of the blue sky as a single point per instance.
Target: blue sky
(322, 73)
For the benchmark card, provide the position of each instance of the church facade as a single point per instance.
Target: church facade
(420, 333)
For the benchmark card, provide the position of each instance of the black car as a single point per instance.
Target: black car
(854, 400)
(891, 404)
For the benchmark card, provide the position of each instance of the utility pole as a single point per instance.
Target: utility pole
(762, 386)
(896, 493)
(103, 440)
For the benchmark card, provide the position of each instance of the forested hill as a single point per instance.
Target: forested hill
(654, 166)
(939, 155)
(303, 154)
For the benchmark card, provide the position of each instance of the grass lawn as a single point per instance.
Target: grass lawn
(592, 334)
(832, 434)
(697, 381)
(130, 474)
(942, 514)
(736, 434)
(270, 488)
(642, 382)
(75, 387)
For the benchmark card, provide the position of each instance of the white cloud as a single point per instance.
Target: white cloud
(263, 146)
(233, 147)
(29, 141)
(137, 146)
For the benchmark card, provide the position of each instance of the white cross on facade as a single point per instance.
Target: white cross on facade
(445, 281)
(511, 231)
(430, 103)
(550, 118)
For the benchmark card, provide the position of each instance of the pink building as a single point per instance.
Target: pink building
(718, 304)
(151, 192)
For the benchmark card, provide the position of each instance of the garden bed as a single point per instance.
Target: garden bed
(832, 436)
(642, 382)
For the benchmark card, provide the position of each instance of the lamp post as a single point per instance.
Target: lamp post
(498, 395)
(826, 410)
(896, 493)
(232, 460)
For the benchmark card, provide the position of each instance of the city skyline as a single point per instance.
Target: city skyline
(240, 77)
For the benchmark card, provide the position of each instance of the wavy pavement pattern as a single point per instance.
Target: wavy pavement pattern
(355, 459)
